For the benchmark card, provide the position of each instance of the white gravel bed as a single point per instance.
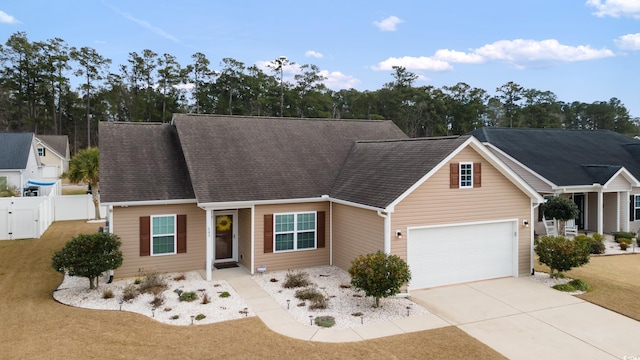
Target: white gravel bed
(343, 302)
(75, 291)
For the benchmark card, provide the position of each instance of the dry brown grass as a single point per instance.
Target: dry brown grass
(615, 282)
(35, 326)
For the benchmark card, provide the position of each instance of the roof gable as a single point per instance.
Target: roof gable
(142, 162)
(567, 157)
(14, 150)
(58, 143)
(376, 173)
(236, 158)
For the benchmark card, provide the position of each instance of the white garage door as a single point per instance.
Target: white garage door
(461, 253)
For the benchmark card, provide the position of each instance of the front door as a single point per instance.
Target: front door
(579, 200)
(225, 246)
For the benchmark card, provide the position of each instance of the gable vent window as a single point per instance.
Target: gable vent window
(41, 152)
(465, 175)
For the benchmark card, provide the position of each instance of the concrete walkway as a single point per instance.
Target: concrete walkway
(517, 317)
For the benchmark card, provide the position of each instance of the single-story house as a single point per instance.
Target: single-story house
(54, 154)
(599, 170)
(19, 162)
(285, 193)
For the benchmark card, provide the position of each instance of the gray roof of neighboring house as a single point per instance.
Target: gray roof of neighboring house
(567, 157)
(14, 150)
(236, 158)
(142, 161)
(59, 143)
(377, 172)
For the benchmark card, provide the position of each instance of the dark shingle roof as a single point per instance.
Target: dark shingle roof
(142, 161)
(377, 172)
(567, 157)
(14, 150)
(235, 158)
(59, 143)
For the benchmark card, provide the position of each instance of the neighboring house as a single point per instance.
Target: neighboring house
(53, 151)
(283, 193)
(599, 170)
(19, 162)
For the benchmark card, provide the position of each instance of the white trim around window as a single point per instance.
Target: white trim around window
(466, 175)
(636, 207)
(164, 239)
(295, 231)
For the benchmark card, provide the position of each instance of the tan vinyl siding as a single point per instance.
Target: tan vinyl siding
(244, 237)
(355, 232)
(619, 183)
(435, 203)
(290, 259)
(126, 221)
(534, 181)
(610, 214)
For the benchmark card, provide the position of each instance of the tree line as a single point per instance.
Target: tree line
(37, 93)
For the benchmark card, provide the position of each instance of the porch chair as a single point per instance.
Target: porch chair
(550, 227)
(570, 228)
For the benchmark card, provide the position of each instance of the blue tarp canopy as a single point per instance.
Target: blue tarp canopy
(38, 183)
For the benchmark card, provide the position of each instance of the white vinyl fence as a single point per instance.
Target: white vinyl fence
(29, 217)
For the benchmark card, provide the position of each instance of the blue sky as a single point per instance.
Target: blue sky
(584, 50)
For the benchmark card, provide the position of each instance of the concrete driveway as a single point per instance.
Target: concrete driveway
(523, 319)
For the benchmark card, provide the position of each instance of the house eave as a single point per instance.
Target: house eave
(249, 203)
(149, 202)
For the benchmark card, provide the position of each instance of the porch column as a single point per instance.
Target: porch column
(209, 247)
(600, 209)
(625, 214)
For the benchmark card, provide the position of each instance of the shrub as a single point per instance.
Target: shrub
(561, 209)
(325, 321)
(200, 316)
(175, 317)
(225, 294)
(308, 294)
(137, 281)
(107, 294)
(89, 256)
(598, 237)
(573, 285)
(129, 293)
(561, 254)
(157, 301)
(179, 277)
(152, 283)
(617, 235)
(319, 303)
(188, 296)
(379, 275)
(296, 280)
(594, 246)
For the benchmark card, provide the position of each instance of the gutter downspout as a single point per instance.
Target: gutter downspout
(387, 231)
(532, 230)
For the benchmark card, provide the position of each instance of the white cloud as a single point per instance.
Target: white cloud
(522, 52)
(454, 56)
(337, 80)
(7, 19)
(414, 63)
(616, 8)
(628, 42)
(315, 54)
(145, 24)
(388, 24)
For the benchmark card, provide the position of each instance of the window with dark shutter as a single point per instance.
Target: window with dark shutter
(182, 233)
(145, 235)
(268, 233)
(320, 229)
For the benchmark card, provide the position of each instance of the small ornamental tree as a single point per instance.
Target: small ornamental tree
(561, 209)
(561, 254)
(89, 256)
(379, 275)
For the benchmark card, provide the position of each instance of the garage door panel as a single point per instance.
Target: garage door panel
(461, 253)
